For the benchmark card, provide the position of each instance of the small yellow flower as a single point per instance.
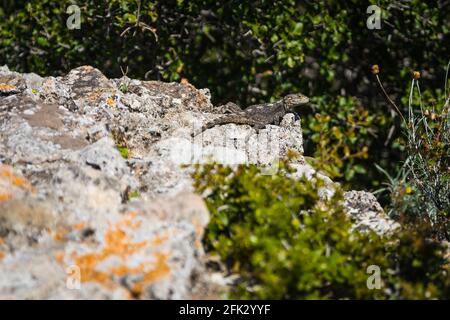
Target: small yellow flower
(416, 75)
(375, 69)
(295, 222)
(408, 190)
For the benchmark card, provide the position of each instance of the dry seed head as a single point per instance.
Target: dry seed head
(375, 69)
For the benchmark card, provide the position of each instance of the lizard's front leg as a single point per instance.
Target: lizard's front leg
(259, 127)
(277, 120)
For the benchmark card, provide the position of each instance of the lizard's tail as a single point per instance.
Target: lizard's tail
(236, 119)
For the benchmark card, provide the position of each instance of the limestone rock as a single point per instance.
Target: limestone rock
(367, 212)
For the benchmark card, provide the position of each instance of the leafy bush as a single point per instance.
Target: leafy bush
(287, 243)
(342, 141)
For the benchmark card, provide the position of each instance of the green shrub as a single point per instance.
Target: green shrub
(342, 139)
(287, 243)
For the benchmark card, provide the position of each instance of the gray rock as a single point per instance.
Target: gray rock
(367, 213)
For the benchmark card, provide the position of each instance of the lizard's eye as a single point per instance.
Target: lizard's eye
(295, 100)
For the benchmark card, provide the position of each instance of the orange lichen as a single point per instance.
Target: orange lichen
(110, 102)
(7, 87)
(79, 226)
(59, 256)
(160, 268)
(120, 245)
(6, 173)
(5, 196)
(129, 221)
(199, 230)
(160, 239)
(2, 254)
(60, 234)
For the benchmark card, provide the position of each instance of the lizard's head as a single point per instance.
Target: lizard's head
(294, 100)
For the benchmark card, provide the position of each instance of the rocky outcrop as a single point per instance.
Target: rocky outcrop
(94, 199)
(74, 210)
(367, 212)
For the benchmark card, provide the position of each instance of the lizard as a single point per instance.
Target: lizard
(258, 115)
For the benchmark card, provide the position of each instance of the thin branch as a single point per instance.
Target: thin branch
(138, 18)
(392, 103)
(446, 80)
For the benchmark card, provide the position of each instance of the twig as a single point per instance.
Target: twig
(389, 99)
(446, 80)
(138, 18)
